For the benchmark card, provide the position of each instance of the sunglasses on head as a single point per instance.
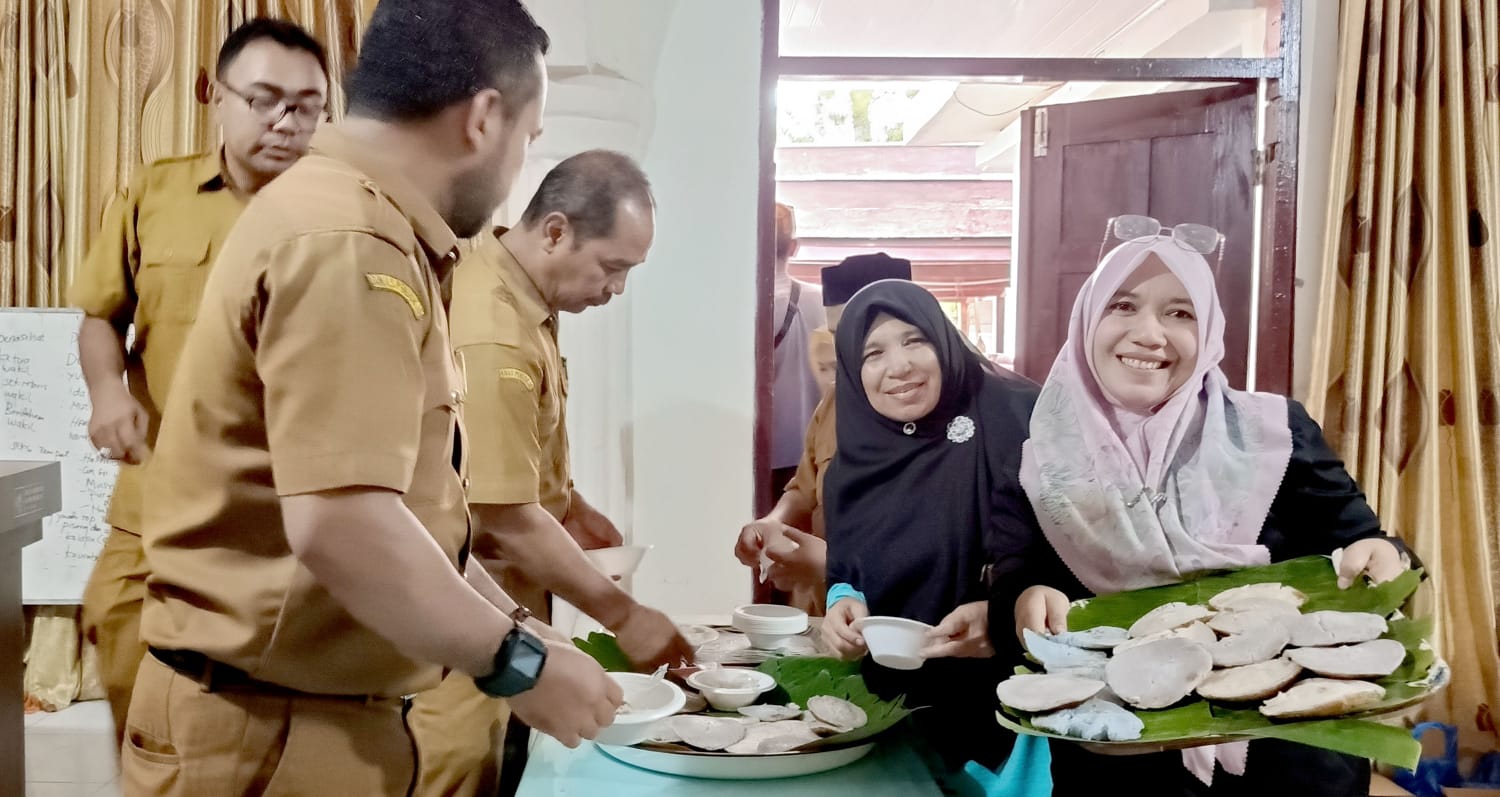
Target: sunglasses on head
(1199, 238)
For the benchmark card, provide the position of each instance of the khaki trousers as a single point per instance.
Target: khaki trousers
(460, 733)
(112, 618)
(184, 741)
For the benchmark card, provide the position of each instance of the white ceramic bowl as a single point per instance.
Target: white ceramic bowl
(619, 561)
(894, 642)
(647, 703)
(769, 619)
(729, 688)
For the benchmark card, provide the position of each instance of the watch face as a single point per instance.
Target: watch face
(518, 664)
(527, 656)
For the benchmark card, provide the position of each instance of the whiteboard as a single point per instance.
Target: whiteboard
(47, 419)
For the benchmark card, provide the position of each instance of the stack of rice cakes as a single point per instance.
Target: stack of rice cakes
(1250, 645)
(761, 729)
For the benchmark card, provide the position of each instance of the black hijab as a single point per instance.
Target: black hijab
(919, 514)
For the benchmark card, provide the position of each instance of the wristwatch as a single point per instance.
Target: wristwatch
(518, 665)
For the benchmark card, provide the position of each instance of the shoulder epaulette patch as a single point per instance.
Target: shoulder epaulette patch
(517, 375)
(385, 282)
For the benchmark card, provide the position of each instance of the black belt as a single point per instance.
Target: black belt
(214, 676)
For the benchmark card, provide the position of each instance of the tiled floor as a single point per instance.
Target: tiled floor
(71, 753)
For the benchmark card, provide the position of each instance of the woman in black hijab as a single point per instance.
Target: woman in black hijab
(927, 519)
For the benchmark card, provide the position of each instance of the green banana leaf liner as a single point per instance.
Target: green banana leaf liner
(1198, 722)
(797, 679)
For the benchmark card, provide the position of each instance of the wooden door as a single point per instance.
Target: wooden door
(1178, 157)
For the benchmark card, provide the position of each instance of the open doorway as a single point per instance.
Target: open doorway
(852, 160)
(989, 141)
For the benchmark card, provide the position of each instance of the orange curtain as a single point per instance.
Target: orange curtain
(92, 89)
(1406, 369)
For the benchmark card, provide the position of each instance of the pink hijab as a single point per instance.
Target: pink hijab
(1132, 500)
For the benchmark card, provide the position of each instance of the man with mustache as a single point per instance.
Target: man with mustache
(589, 225)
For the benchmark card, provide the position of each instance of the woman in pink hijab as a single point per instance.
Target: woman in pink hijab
(1145, 466)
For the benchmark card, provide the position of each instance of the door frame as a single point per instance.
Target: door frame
(1278, 259)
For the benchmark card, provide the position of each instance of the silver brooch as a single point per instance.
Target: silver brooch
(960, 429)
(1157, 500)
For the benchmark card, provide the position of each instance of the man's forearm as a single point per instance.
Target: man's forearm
(480, 579)
(101, 354)
(529, 538)
(375, 558)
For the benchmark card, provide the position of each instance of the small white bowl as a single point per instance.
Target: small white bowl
(619, 561)
(729, 688)
(894, 642)
(647, 702)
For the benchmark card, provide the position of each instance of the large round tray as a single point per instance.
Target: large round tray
(729, 766)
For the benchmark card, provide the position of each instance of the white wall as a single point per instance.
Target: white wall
(1320, 46)
(692, 318)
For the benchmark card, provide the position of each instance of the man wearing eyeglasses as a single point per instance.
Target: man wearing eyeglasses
(147, 267)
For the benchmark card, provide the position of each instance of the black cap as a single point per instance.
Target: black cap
(842, 281)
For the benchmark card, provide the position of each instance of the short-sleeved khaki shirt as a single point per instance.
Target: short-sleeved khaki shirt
(819, 446)
(146, 266)
(506, 341)
(320, 361)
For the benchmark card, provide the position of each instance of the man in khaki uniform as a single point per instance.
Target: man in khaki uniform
(305, 519)
(146, 267)
(590, 222)
(791, 536)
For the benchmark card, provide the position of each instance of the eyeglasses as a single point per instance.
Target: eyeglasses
(1199, 238)
(272, 108)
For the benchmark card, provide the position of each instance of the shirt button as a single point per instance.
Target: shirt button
(466, 484)
(456, 397)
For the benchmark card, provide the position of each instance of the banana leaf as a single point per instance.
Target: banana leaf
(801, 677)
(1313, 575)
(1199, 721)
(606, 650)
(797, 679)
(1170, 728)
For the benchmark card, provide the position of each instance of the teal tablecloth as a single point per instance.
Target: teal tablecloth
(892, 769)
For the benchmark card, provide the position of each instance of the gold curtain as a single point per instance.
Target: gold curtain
(92, 89)
(1406, 368)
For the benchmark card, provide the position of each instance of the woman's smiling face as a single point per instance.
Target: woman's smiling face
(1146, 344)
(900, 371)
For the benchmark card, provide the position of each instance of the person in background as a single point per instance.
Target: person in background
(789, 540)
(796, 310)
(590, 223)
(306, 523)
(146, 267)
(1125, 505)
(820, 359)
